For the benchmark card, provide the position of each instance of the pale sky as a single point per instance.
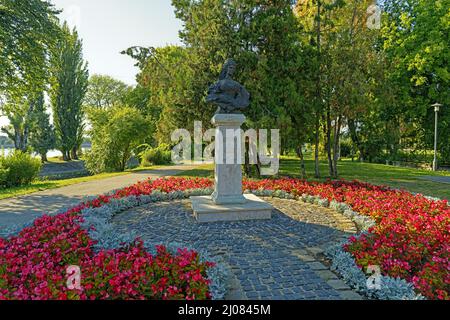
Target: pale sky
(109, 26)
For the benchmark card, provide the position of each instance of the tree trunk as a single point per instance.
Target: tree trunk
(316, 151)
(393, 143)
(17, 140)
(25, 138)
(27, 124)
(336, 151)
(258, 166)
(328, 142)
(74, 154)
(355, 139)
(247, 167)
(318, 92)
(44, 157)
(302, 162)
(66, 155)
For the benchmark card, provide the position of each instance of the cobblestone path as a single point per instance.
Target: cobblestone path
(277, 259)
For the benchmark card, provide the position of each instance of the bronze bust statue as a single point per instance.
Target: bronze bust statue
(229, 95)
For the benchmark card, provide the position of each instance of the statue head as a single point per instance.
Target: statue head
(228, 69)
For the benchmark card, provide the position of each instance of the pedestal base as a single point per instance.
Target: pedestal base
(205, 210)
(229, 199)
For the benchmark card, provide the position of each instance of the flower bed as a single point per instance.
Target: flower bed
(34, 262)
(409, 241)
(411, 236)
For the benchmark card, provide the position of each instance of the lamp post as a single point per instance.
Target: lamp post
(436, 110)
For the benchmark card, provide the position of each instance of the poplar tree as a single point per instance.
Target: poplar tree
(69, 86)
(42, 137)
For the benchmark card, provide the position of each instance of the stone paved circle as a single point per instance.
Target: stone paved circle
(271, 259)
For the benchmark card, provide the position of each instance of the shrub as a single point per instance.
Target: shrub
(18, 168)
(140, 149)
(3, 175)
(347, 148)
(156, 156)
(115, 133)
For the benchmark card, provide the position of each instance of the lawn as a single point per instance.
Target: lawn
(55, 160)
(397, 177)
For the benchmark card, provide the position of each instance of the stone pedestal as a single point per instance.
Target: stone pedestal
(205, 210)
(228, 203)
(228, 170)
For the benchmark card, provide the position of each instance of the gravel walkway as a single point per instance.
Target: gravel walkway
(26, 208)
(278, 259)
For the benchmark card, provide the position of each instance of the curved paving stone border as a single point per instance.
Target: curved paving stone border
(275, 259)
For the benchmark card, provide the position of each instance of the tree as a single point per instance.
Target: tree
(68, 87)
(410, 63)
(352, 72)
(105, 92)
(20, 111)
(28, 28)
(42, 137)
(310, 14)
(345, 60)
(262, 36)
(171, 100)
(416, 37)
(115, 133)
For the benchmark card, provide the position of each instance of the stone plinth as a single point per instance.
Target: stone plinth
(205, 210)
(228, 203)
(228, 161)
